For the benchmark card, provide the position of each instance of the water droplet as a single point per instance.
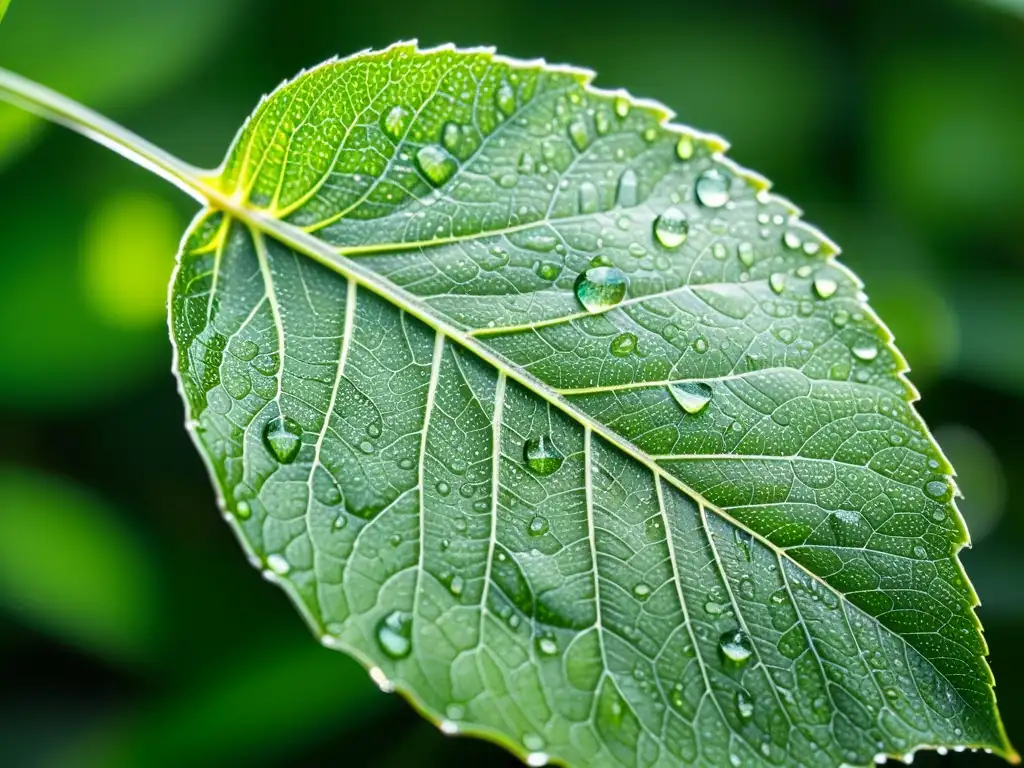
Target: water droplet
(395, 122)
(642, 591)
(627, 193)
(579, 132)
(373, 429)
(533, 742)
(866, 352)
(735, 647)
(394, 634)
(505, 98)
(671, 228)
(825, 287)
(242, 510)
(537, 759)
(456, 585)
(840, 318)
(451, 136)
(693, 397)
(548, 270)
(590, 201)
(442, 488)
(700, 346)
(623, 345)
(547, 646)
(712, 188)
(283, 436)
(746, 253)
(538, 526)
(621, 106)
(920, 552)
(405, 463)
(937, 489)
(278, 564)
(684, 148)
(599, 288)
(777, 282)
(714, 608)
(436, 163)
(395, 540)
(366, 446)
(744, 706)
(541, 456)
(602, 121)
(526, 163)
(791, 239)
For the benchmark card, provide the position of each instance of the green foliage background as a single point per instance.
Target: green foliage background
(131, 629)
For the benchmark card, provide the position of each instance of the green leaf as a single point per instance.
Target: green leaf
(564, 426)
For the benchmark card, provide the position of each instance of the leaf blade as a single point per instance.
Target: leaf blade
(413, 271)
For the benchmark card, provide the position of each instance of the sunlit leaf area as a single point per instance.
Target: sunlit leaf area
(133, 632)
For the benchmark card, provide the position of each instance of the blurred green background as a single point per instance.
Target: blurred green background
(132, 630)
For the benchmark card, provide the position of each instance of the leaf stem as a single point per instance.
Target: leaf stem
(57, 108)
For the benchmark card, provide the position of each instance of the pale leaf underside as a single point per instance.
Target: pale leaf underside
(748, 553)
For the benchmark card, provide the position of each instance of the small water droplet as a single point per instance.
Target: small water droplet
(283, 437)
(642, 591)
(590, 201)
(395, 121)
(712, 188)
(394, 634)
(840, 318)
(714, 608)
(684, 147)
(246, 350)
(436, 163)
(533, 742)
(537, 759)
(937, 489)
(395, 540)
(541, 456)
(621, 106)
(278, 564)
(744, 706)
(579, 132)
(547, 646)
(548, 270)
(791, 239)
(671, 228)
(627, 193)
(366, 446)
(602, 121)
(242, 510)
(599, 288)
(825, 287)
(693, 397)
(866, 352)
(735, 647)
(700, 346)
(538, 526)
(777, 282)
(442, 488)
(456, 585)
(505, 98)
(745, 251)
(526, 163)
(623, 345)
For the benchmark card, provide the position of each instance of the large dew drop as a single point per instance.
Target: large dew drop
(283, 437)
(600, 288)
(825, 287)
(541, 456)
(693, 397)
(436, 163)
(394, 634)
(735, 648)
(671, 228)
(712, 188)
